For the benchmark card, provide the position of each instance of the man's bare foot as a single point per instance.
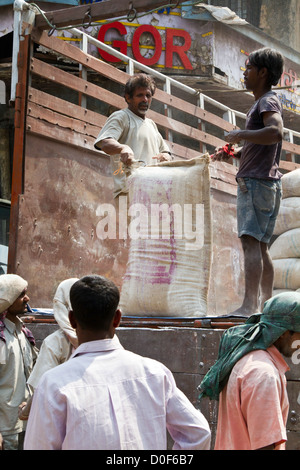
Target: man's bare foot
(243, 311)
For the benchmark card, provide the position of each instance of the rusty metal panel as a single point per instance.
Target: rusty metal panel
(63, 186)
(57, 230)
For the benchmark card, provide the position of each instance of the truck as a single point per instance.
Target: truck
(62, 97)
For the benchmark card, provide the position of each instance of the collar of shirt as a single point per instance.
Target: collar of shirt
(98, 346)
(11, 327)
(278, 359)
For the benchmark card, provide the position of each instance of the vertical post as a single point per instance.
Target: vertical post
(82, 69)
(19, 150)
(16, 47)
(201, 125)
(168, 111)
(290, 157)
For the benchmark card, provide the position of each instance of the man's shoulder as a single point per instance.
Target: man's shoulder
(118, 114)
(147, 362)
(270, 99)
(256, 362)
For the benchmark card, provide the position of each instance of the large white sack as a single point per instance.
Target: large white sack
(287, 245)
(291, 184)
(169, 275)
(287, 273)
(288, 216)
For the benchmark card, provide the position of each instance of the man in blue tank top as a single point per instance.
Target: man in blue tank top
(258, 177)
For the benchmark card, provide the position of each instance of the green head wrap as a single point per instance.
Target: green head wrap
(281, 313)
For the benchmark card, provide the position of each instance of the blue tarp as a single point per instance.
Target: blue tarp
(63, 2)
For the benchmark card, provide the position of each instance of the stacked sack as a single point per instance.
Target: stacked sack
(285, 251)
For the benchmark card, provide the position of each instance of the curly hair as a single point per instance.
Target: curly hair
(272, 60)
(140, 80)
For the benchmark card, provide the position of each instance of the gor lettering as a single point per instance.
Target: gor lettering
(170, 47)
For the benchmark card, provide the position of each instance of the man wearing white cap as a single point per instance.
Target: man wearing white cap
(57, 347)
(17, 356)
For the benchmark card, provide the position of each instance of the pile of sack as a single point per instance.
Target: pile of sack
(285, 250)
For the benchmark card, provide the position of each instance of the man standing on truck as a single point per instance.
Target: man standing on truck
(258, 177)
(129, 136)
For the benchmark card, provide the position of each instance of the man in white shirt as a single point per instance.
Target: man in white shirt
(17, 357)
(107, 398)
(129, 136)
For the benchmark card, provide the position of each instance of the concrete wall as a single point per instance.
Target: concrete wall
(281, 21)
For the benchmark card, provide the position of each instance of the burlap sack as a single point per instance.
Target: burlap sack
(289, 215)
(287, 245)
(287, 273)
(291, 184)
(169, 263)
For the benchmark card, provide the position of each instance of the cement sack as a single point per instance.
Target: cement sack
(169, 262)
(287, 245)
(289, 215)
(287, 273)
(291, 184)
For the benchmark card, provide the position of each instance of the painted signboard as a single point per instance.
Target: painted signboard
(210, 50)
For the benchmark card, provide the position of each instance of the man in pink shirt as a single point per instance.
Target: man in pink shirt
(107, 398)
(249, 379)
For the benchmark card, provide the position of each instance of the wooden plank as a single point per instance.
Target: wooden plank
(45, 114)
(289, 147)
(75, 83)
(55, 132)
(182, 152)
(185, 129)
(114, 74)
(65, 107)
(288, 166)
(73, 133)
(60, 76)
(223, 186)
(97, 11)
(90, 89)
(76, 54)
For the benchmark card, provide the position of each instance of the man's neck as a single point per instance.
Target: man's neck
(261, 92)
(85, 336)
(13, 318)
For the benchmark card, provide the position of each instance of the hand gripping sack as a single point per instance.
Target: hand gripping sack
(170, 251)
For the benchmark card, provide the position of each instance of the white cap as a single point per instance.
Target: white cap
(11, 286)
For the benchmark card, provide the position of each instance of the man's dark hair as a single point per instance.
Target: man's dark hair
(272, 60)
(94, 300)
(140, 80)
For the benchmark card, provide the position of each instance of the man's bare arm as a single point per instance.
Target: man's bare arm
(272, 133)
(113, 147)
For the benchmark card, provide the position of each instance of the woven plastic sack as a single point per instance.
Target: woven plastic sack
(168, 270)
(287, 273)
(289, 215)
(287, 245)
(291, 184)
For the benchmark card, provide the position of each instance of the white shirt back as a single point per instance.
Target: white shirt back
(106, 398)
